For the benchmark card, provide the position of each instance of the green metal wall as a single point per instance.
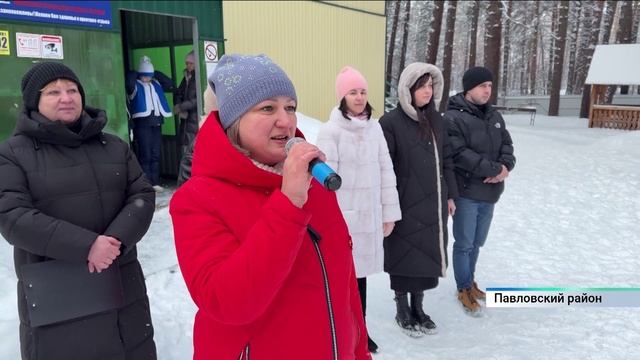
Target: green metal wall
(209, 13)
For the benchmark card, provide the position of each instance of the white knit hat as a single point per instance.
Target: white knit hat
(145, 67)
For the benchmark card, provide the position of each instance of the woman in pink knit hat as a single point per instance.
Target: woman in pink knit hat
(356, 148)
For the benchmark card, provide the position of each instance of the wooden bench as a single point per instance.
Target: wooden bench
(529, 109)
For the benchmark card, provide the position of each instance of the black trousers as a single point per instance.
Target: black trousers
(362, 289)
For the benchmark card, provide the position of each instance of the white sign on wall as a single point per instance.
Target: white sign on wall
(52, 47)
(28, 45)
(210, 51)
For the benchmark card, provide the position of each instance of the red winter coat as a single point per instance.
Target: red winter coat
(259, 280)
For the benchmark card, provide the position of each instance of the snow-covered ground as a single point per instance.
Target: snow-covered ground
(568, 218)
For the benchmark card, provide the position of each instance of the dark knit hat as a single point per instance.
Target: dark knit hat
(39, 76)
(242, 81)
(475, 76)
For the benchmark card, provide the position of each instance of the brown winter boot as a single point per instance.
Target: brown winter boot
(477, 293)
(468, 301)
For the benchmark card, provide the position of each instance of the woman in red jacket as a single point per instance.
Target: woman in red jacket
(263, 248)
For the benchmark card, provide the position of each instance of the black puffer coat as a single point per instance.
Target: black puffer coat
(481, 145)
(184, 172)
(59, 190)
(415, 248)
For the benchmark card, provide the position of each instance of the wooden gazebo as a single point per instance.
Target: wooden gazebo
(613, 65)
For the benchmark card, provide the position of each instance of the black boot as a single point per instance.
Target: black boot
(373, 347)
(403, 315)
(362, 288)
(422, 320)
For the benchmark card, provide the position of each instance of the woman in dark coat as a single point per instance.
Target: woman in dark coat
(74, 197)
(416, 251)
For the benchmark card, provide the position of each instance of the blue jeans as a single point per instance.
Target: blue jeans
(471, 223)
(149, 139)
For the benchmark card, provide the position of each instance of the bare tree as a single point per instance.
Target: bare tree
(519, 29)
(524, 80)
(635, 28)
(561, 39)
(588, 39)
(448, 50)
(553, 45)
(434, 31)
(625, 22)
(572, 37)
(625, 25)
(607, 21)
(533, 67)
(636, 22)
(506, 47)
(391, 48)
(474, 10)
(492, 41)
(607, 25)
(591, 26)
(420, 23)
(405, 34)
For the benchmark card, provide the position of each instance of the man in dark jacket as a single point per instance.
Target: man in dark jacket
(210, 104)
(74, 198)
(186, 103)
(483, 158)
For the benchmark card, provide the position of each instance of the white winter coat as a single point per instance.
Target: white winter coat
(357, 150)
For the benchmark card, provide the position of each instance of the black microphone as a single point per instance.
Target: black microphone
(321, 171)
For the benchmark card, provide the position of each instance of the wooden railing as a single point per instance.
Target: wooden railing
(615, 117)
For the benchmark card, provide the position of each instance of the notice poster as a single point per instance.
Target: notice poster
(51, 47)
(28, 45)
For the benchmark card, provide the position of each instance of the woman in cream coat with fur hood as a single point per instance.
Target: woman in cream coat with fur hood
(356, 149)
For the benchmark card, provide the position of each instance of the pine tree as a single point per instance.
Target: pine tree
(448, 49)
(474, 10)
(434, 32)
(492, 41)
(392, 43)
(561, 38)
(405, 34)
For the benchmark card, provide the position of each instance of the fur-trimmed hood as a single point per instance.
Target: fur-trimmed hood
(409, 76)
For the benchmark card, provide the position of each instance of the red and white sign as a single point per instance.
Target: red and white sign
(51, 47)
(28, 45)
(210, 51)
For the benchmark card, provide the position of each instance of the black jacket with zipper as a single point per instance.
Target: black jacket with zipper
(481, 145)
